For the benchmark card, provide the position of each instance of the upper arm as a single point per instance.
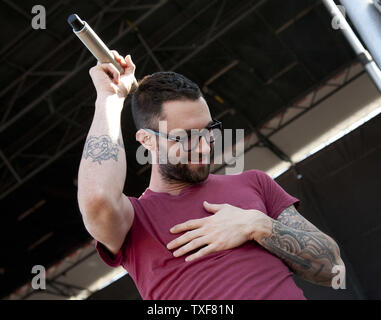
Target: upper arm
(110, 222)
(293, 219)
(274, 197)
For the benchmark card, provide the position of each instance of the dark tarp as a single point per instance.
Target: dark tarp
(340, 192)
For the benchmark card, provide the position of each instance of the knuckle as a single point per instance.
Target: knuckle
(212, 249)
(197, 255)
(206, 249)
(189, 223)
(218, 244)
(207, 229)
(196, 242)
(192, 245)
(177, 243)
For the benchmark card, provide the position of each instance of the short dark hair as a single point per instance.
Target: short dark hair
(155, 89)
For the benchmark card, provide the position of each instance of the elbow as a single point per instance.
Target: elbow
(93, 204)
(332, 275)
(338, 274)
(338, 266)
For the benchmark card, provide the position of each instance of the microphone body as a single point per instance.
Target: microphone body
(91, 40)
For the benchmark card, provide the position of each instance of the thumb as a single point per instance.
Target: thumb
(212, 207)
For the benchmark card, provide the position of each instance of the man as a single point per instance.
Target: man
(191, 234)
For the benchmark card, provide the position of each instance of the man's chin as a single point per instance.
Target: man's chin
(202, 170)
(191, 172)
(198, 164)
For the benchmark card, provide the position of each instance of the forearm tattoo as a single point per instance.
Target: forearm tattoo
(101, 148)
(308, 252)
(293, 219)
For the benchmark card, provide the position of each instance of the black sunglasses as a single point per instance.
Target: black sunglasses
(191, 141)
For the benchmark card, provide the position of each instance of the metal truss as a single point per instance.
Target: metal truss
(47, 97)
(264, 132)
(56, 287)
(11, 46)
(67, 75)
(68, 111)
(15, 179)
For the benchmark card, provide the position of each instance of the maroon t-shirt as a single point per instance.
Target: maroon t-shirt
(247, 272)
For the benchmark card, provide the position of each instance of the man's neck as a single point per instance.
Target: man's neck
(158, 184)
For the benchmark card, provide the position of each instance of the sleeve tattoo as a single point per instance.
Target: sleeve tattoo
(101, 148)
(308, 252)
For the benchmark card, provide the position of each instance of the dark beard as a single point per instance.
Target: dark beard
(180, 172)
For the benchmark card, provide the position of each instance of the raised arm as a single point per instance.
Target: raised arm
(107, 213)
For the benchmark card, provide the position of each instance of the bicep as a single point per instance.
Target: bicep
(112, 223)
(293, 219)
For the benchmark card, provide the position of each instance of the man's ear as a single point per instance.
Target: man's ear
(145, 139)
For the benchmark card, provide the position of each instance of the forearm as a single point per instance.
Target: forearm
(311, 255)
(102, 170)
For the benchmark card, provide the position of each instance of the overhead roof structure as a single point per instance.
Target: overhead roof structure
(261, 65)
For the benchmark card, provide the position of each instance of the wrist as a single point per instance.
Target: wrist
(114, 100)
(260, 225)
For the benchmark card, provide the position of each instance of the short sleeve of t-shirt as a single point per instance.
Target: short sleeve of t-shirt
(276, 199)
(109, 258)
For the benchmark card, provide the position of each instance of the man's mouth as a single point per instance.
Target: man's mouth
(199, 162)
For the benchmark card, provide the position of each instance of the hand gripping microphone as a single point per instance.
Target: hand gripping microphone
(95, 45)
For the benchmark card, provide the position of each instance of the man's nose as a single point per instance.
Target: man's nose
(204, 146)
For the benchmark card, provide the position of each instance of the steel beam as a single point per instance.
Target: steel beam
(253, 5)
(58, 84)
(363, 55)
(313, 103)
(9, 166)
